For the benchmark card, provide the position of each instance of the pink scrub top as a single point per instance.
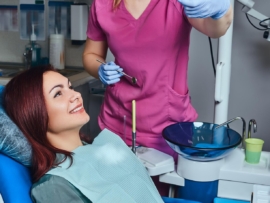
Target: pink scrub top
(154, 49)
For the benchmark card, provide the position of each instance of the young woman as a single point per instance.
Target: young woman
(44, 105)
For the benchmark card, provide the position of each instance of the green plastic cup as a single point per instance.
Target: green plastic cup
(253, 150)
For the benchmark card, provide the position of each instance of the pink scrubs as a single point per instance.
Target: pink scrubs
(154, 49)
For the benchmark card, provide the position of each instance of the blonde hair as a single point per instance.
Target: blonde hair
(116, 3)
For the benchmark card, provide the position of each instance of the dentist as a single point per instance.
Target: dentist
(150, 41)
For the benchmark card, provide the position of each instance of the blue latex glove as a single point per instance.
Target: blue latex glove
(205, 8)
(109, 73)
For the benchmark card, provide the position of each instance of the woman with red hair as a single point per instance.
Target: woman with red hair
(43, 104)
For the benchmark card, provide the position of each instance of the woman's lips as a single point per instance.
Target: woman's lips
(77, 109)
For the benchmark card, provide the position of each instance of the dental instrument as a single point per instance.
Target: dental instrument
(124, 127)
(134, 126)
(133, 79)
(232, 120)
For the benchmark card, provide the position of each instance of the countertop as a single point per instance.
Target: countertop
(80, 79)
(76, 80)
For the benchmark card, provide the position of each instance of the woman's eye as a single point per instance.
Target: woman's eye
(57, 94)
(71, 87)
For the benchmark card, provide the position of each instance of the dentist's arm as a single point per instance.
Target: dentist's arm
(94, 50)
(108, 73)
(211, 17)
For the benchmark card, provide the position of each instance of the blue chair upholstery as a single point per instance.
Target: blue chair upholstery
(15, 181)
(224, 200)
(176, 200)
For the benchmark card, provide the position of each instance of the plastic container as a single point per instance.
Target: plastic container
(253, 150)
(36, 53)
(36, 49)
(57, 51)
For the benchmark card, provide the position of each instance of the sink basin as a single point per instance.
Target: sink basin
(200, 141)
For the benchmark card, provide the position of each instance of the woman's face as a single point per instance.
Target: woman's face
(64, 105)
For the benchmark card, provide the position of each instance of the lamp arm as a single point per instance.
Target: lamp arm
(248, 9)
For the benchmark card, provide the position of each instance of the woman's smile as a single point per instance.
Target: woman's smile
(78, 109)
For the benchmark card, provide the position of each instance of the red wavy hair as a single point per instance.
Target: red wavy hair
(25, 105)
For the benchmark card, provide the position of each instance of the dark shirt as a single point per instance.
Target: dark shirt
(58, 190)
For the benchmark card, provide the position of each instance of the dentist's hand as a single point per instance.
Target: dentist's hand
(205, 8)
(109, 73)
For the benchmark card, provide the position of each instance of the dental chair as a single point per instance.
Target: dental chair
(15, 181)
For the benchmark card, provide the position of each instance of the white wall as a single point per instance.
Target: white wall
(250, 75)
(12, 48)
(250, 82)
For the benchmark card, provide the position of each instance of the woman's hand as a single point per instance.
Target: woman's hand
(109, 73)
(205, 8)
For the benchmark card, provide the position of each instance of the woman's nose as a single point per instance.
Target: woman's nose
(75, 96)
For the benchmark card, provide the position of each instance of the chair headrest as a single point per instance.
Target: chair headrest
(15, 179)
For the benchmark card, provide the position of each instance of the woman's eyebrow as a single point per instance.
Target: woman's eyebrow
(68, 82)
(56, 87)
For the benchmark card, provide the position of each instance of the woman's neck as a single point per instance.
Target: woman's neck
(68, 140)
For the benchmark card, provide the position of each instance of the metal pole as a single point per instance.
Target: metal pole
(223, 75)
